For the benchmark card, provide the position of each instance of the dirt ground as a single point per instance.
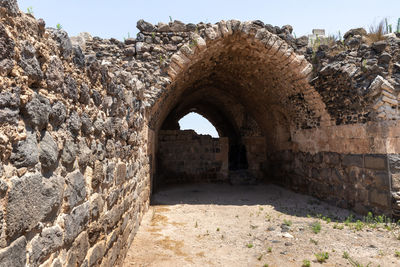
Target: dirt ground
(263, 225)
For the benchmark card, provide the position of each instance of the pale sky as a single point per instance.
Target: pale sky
(117, 18)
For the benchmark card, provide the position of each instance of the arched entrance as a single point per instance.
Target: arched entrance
(251, 85)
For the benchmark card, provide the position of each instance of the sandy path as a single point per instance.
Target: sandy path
(223, 225)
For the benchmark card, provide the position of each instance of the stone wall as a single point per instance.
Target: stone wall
(355, 181)
(74, 170)
(185, 156)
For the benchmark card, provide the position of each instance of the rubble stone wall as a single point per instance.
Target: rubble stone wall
(185, 156)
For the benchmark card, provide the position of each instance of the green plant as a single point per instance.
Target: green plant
(269, 249)
(397, 254)
(250, 245)
(170, 18)
(196, 225)
(359, 225)
(322, 256)
(218, 229)
(316, 227)
(265, 265)
(29, 10)
(345, 255)
(59, 26)
(153, 35)
(260, 257)
(398, 25)
(315, 242)
(287, 222)
(306, 263)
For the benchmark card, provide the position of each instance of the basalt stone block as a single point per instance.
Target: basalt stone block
(15, 254)
(58, 113)
(65, 45)
(331, 158)
(120, 173)
(75, 222)
(37, 112)
(10, 98)
(26, 153)
(98, 174)
(379, 198)
(394, 163)
(8, 115)
(352, 160)
(75, 191)
(74, 122)
(7, 44)
(55, 74)
(69, 153)
(48, 241)
(78, 250)
(96, 253)
(84, 96)
(396, 182)
(145, 26)
(70, 88)
(29, 63)
(375, 162)
(48, 152)
(30, 200)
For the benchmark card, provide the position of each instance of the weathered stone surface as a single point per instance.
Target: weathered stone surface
(96, 253)
(353, 160)
(25, 153)
(120, 173)
(11, 6)
(58, 113)
(65, 45)
(29, 62)
(48, 152)
(84, 95)
(74, 122)
(55, 74)
(177, 26)
(15, 254)
(96, 206)
(145, 26)
(69, 153)
(30, 200)
(394, 163)
(98, 174)
(37, 112)
(376, 162)
(379, 46)
(78, 250)
(87, 125)
(75, 191)
(48, 241)
(75, 222)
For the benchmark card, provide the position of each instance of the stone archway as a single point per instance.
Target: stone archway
(250, 84)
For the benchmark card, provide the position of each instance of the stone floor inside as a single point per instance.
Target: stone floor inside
(262, 225)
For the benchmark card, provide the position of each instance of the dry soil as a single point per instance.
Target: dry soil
(263, 225)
